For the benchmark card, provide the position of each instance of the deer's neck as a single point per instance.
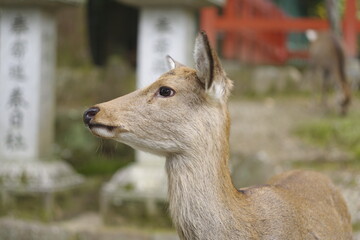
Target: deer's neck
(201, 195)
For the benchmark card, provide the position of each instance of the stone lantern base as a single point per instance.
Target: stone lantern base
(136, 193)
(43, 189)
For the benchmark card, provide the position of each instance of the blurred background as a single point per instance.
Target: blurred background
(290, 106)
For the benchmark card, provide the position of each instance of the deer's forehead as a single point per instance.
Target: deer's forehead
(178, 77)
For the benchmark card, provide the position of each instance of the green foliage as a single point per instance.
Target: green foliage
(342, 132)
(317, 8)
(135, 213)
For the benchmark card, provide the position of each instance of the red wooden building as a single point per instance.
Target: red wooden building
(255, 31)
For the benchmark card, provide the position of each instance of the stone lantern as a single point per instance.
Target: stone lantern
(27, 102)
(166, 27)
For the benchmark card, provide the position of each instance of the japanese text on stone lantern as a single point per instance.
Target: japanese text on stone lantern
(17, 103)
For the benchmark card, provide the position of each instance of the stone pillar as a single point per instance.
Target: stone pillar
(27, 102)
(164, 30)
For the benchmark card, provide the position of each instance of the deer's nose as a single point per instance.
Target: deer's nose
(90, 114)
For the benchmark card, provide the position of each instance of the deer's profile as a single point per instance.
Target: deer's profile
(183, 116)
(327, 55)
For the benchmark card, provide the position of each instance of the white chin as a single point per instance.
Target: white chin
(103, 132)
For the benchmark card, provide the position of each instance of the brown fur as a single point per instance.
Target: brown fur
(191, 128)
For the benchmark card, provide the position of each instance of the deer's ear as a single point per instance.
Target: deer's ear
(209, 69)
(172, 64)
(204, 62)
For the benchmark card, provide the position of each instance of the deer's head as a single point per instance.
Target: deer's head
(173, 112)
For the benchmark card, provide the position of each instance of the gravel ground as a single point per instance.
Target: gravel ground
(265, 127)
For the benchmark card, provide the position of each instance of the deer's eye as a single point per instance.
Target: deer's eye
(166, 92)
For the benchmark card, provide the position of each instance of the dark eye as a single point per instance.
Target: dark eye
(166, 92)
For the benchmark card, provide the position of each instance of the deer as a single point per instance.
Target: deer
(327, 55)
(183, 116)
